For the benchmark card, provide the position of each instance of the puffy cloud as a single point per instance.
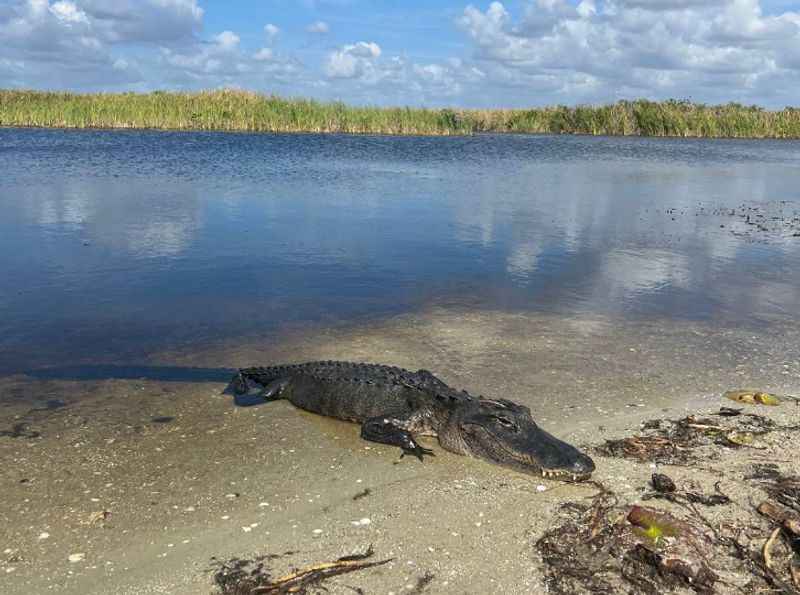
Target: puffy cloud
(546, 51)
(363, 72)
(320, 27)
(86, 44)
(442, 80)
(271, 31)
(72, 44)
(223, 62)
(67, 12)
(356, 60)
(227, 40)
(598, 51)
(149, 21)
(264, 54)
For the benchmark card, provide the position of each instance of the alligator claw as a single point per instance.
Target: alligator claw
(417, 451)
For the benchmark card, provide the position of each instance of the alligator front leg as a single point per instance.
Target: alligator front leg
(395, 431)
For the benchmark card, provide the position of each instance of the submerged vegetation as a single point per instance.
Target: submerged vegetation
(235, 110)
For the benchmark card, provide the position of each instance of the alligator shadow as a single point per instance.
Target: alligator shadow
(112, 372)
(156, 373)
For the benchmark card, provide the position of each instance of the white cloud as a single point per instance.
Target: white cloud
(223, 62)
(148, 21)
(600, 51)
(438, 79)
(263, 54)
(85, 44)
(67, 12)
(74, 44)
(227, 40)
(546, 51)
(320, 27)
(271, 31)
(356, 60)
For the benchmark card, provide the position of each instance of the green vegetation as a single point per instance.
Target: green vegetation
(246, 111)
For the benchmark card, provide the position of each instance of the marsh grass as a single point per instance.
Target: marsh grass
(234, 110)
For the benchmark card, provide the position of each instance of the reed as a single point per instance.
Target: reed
(234, 110)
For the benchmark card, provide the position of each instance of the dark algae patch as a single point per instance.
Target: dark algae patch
(752, 221)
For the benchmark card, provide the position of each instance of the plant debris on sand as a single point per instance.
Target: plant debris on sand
(746, 540)
(675, 442)
(253, 577)
(606, 548)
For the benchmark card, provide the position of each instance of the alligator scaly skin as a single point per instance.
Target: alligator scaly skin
(393, 405)
(357, 391)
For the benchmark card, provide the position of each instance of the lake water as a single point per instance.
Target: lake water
(117, 244)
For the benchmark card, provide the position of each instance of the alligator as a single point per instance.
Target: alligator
(394, 405)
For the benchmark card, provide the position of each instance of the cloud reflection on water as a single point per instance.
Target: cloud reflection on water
(225, 233)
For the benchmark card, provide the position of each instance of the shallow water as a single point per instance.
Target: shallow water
(115, 245)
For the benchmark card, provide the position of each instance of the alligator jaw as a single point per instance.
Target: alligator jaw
(560, 474)
(529, 458)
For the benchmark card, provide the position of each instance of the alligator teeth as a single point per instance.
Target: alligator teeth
(551, 473)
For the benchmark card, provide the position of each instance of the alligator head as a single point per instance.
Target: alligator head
(504, 433)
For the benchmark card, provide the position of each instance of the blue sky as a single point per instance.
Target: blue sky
(409, 52)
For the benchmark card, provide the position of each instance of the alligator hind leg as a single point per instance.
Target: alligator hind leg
(245, 395)
(273, 391)
(391, 430)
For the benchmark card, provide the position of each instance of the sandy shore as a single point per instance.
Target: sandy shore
(181, 475)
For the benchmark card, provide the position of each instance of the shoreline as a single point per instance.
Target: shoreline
(185, 476)
(390, 134)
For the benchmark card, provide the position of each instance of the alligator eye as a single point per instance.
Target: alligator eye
(506, 423)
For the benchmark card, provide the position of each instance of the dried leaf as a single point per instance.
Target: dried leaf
(752, 397)
(767, 551)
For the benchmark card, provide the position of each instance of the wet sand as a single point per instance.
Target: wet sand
(185, 476)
